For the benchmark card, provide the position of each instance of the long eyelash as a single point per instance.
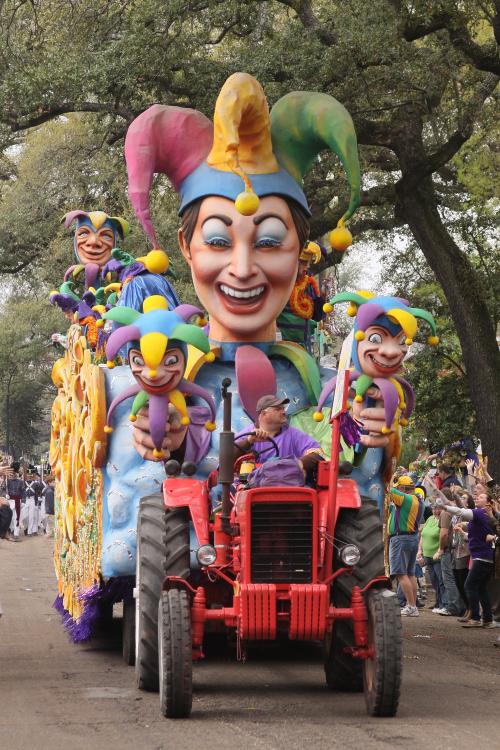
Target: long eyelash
(267, 242)
(217, 242)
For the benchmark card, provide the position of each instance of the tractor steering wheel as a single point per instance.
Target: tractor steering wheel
(273, 446)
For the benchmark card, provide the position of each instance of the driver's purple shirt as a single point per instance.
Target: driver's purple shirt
(290, 441)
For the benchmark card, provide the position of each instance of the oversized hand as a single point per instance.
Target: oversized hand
(373, 420)
(174, 435)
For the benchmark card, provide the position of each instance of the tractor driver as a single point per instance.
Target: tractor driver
(272, 423)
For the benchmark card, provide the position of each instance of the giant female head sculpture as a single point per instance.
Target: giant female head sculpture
(243, 212)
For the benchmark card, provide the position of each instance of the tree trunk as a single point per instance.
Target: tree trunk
(466, 298)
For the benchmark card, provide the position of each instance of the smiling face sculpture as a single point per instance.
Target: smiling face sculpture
(381, 353)
(96, 235)
(243, 267)
(243, 212)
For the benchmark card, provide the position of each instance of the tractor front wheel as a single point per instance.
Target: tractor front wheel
(175, 654)
(382, 673)
(362, 527)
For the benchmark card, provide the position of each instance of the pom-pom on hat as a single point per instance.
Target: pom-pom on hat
(246, 154)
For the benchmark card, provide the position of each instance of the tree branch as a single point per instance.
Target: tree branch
(453, 362)
(483, 57)
(310, 21)
(379, 195)
(447, 150)
(19, 121)
(19, 267)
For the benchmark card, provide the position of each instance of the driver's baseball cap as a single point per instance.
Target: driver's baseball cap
(265, 402)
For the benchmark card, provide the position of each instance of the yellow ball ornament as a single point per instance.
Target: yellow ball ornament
(107, 429)
(433, 340)
(359, 335)
(403, 422)
(352, 310)
(158, 454)
(340, 238)
(110, 364)
(209, 357)
(185, 420)
(156, 261)
(133, 418)
(210, 426)
(318, 416)
(99, 323)
(327, 307)
(247, 203)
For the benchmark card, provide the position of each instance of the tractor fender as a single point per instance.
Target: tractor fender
(191, 494)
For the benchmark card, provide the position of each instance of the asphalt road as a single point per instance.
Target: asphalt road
(58, 696)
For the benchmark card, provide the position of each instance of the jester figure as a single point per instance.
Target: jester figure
(305, 306)
(157, 353)
(384, 328)
(244, 223)
(96, 247)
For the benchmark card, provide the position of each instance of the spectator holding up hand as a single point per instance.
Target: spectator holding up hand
(479, 537)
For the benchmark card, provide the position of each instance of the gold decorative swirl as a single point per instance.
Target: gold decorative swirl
(77, 454)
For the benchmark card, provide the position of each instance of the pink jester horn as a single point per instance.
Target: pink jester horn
(170, 140)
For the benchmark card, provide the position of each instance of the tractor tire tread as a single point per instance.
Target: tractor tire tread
(362, 527)
(176, 673)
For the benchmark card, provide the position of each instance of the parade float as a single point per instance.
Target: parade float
(244, 223)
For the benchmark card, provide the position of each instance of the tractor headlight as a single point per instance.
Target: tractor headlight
(206, 555)
(350, 555)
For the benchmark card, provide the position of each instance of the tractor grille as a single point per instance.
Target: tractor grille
(281, 549)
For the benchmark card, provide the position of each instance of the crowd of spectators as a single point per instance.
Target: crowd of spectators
(443, 530)
(26, 503)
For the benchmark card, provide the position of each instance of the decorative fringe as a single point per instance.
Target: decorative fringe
(83, 629)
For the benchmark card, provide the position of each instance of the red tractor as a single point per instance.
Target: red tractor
(298, 562)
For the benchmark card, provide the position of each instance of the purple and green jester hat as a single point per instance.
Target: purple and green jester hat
(153, 332)
(95, 220)
(245, 154)
(395, 315)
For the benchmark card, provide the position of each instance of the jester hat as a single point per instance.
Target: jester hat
(396, 315)
(245, 154)
(313, 252)
(154, 331)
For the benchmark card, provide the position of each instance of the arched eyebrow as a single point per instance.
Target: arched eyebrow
(225, 219)
(259, 219)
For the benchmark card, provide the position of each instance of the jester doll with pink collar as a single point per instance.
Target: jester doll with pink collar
(384, 329)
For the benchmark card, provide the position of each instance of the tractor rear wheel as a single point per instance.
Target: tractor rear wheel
(148, 583)
(382, 673)
(362, 527)
(128, 632)
(175, 654)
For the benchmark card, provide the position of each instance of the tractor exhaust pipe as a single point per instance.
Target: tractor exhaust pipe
(226, 456)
